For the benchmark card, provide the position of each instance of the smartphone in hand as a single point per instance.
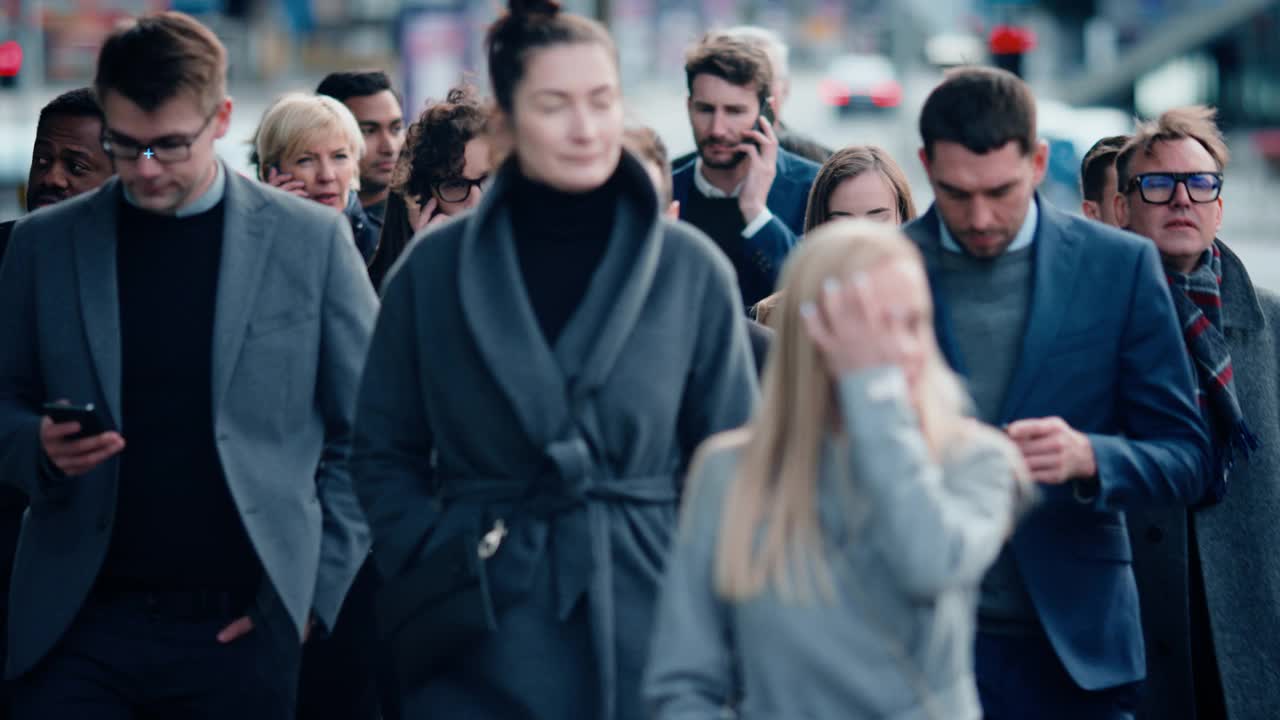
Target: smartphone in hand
(91, 423)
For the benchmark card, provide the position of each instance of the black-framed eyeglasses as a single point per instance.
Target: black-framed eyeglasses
(1158, 188)
(459, 189)
(165, 150)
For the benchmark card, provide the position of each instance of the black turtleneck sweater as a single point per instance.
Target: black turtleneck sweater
(176, 525)
(560, 239)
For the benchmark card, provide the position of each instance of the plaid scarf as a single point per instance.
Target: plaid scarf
(1197, 296)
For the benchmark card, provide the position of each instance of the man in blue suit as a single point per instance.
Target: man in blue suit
(1068, 336)
(741, 189)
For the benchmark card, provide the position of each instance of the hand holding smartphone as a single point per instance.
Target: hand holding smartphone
(77, 452)
(91, 422)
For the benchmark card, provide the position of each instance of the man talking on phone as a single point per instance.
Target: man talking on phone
(741, 188)
(172, 565)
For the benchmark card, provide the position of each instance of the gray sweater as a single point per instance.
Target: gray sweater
(907, 543)
(990, 299)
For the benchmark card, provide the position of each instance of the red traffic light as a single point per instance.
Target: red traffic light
(10, 58)
(1011, 40)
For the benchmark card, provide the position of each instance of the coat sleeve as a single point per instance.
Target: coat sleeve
(690, 671)
(23, 463)
(349, 308)
(768, 249)
(391, 457)
(1161, 454)
(721, 391)
(938, 526)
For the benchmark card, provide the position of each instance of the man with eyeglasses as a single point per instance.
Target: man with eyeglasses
(174, 560)
(1209, 577)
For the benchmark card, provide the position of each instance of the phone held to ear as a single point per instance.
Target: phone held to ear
(91, 423)
(766, 112)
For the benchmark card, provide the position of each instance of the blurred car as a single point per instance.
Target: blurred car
(948, 50)
(860, 82)
(1070, 132)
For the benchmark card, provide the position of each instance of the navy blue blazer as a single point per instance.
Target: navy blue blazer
(1103, 351)
(769, 247)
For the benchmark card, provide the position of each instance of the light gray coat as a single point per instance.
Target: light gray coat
(293, 316)
(1238, 539)
(907, 540)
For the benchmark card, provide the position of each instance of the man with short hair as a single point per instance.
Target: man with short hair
(742, 190)
(172, 565)
(779, 54)
(67, 158)
(368, 95)
(1098, 179)
(1209, 578)
(1069, 341)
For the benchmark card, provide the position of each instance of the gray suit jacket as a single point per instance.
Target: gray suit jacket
(293, 318)
(1237, 539)
(907, 540)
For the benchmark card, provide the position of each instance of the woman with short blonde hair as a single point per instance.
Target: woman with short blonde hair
(830, 552)
(310, 146)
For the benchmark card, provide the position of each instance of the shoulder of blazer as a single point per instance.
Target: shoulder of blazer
(1098, 238)
(682, 179)
(51, 223)
(796, 169)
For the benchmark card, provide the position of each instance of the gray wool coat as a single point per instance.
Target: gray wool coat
(463, 402)
(1238, 540)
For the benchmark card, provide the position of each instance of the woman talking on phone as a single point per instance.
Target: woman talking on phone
(542, 370)
(310, 145)
(443, 173)
(830, 553)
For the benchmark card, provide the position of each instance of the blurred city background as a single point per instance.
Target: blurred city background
(1095, 67)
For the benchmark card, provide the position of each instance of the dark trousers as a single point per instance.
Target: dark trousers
(121, 661)
(349, 674)
(1021, 677)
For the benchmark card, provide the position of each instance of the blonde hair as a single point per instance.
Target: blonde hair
(294, 121)
(770, 530)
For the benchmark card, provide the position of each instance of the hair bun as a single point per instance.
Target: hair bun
(533, 7)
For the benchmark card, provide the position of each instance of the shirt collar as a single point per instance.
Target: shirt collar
(204, 203)
(1026, 234)
(705, 187)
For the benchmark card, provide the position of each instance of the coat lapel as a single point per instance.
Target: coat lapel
(496, 307)
(246, 245)
(925, 233)
(536, 378)
(1053, 276)
(1240, 307)
(95, 252)
(615, 296)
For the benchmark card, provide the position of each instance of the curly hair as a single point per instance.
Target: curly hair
(436, 144)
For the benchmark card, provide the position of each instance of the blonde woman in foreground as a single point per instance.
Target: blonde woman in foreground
(829, 553)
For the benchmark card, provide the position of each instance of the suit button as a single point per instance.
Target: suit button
(103, 523)
(1154, 534)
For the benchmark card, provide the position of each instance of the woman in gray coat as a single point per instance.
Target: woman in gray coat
(542, 370)
(829, 554)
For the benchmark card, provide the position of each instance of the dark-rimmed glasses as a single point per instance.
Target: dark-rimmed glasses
(459, 189)
(1158, 188)
(165, 150)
